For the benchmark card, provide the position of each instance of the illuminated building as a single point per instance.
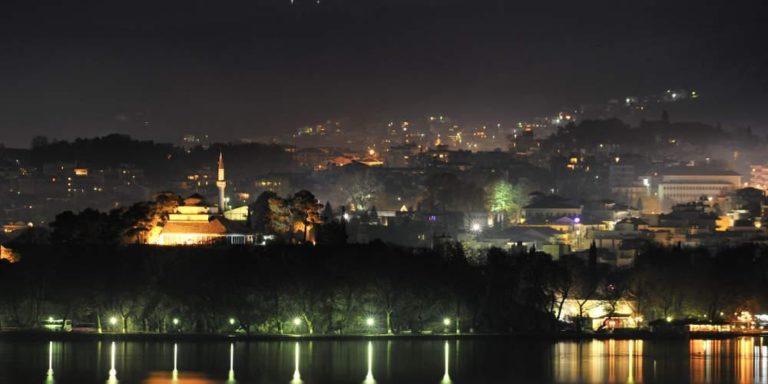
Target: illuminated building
(759, 177)
(196, 222)
(601, 313)
(687, 184)
(221, 184)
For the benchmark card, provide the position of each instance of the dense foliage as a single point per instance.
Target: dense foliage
(333, 289)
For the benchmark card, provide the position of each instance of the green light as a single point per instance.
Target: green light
(446, 321)
(231, 321)
(113, 320)
(296, 321)
(370, 321)
(175, 321)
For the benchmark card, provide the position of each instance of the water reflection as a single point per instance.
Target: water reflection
(369, 376)
(737, 360)
(599, 361)
(744, 360)
(175, 372)
(112, 371)
(631, 375)
(49, 374)
(231, 375)
(446, 374)
(296, 373)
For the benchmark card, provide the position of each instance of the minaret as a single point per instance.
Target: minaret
(221, 184)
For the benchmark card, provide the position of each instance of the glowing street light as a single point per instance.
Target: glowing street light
(296, 321)
(175, 321)
(370, 321)
(113, 320)
(231, 321)
(447, 321)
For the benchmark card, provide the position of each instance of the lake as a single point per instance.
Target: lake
(503, 360)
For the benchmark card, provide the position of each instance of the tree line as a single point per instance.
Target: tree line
(335, 289)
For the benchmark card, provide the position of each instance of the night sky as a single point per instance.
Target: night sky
(244, 69)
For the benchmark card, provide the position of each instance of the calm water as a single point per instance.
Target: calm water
(742, 360)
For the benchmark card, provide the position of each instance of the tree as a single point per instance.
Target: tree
(279, 217)
(306, 213)
(87, 227)
(361, 189)
(259, 211)
(327, 215)
(446, 191)
(505, 201)
(38, 142)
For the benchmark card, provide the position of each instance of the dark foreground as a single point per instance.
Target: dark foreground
(380, 360)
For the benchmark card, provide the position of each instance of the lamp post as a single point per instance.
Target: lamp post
(297, 322)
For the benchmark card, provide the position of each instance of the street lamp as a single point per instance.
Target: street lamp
(446, 321)
(296, 321)
(370, 321)
(175, 321)
(113, 320)
(231, 321)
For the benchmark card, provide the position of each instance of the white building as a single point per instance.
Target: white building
(687, 184)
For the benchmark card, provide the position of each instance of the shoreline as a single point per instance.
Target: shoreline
(38, 335)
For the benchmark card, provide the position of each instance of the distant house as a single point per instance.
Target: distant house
(625, 241)
(546, 208)
(600, 314)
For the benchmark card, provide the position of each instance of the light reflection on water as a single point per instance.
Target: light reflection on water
(296, 373)
(599, 361)
(742, 360)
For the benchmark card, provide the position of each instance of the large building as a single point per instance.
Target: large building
(196, 222)
(687, 184)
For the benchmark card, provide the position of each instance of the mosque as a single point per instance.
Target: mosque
(197, 222)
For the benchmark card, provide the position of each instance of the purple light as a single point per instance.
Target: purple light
(577, 220)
